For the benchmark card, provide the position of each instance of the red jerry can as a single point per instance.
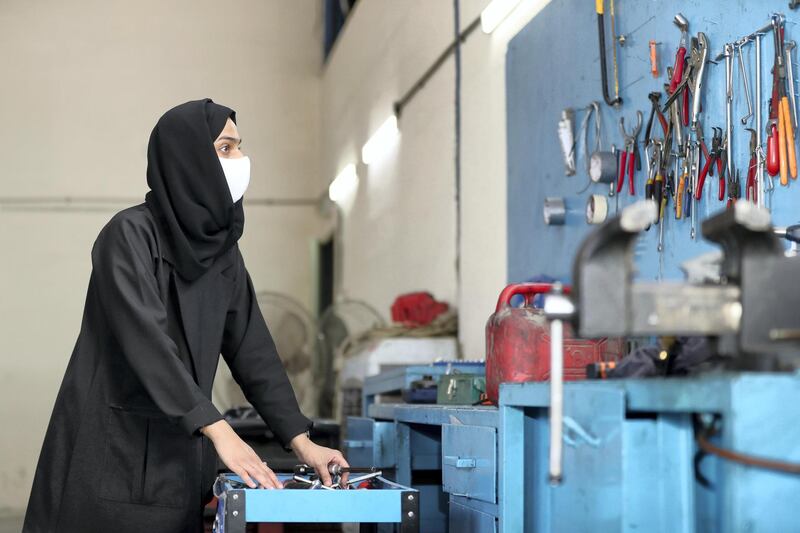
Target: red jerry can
(518, 343)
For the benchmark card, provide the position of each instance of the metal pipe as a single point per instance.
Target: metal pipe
(759, 149)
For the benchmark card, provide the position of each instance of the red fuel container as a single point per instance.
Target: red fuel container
(518, 343)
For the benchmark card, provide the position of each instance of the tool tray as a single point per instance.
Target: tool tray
(388, 502)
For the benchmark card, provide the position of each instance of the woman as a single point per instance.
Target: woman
(129, 444)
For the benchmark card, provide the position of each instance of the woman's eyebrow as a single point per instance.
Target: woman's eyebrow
(232, 139)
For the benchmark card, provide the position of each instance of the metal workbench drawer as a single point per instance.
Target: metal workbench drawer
(465, 519)
(370, 443)
(469, 461)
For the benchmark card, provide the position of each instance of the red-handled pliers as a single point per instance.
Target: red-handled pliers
(715, 155)
(629, 154)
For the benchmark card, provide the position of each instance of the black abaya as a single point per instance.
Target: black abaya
(168, 293)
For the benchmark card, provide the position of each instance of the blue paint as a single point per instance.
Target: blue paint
(553, 64)
(637, 471)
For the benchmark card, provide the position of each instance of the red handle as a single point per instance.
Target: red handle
(773, 156)
(621, 177)
(722, 188)
(677, 72)
(528, 290)
(702, 179)
(631, 171)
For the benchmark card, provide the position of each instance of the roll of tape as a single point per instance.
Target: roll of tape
(555, 211)
(603, 167)
(596, 209)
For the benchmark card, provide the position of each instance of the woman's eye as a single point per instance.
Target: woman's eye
(223, 148)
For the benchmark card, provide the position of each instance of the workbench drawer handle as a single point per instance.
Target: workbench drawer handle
(358, 444)
(460, 462)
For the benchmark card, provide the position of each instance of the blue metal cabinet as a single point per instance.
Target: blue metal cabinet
(469, 461)
(465, 519)
(370, 443)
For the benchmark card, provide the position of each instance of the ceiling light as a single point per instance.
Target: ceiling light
(344, 185)
(493, 14)
(381, 141)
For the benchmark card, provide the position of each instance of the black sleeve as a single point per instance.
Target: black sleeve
(122, 268)
(250, 352)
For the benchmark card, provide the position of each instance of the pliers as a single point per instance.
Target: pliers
(629, 154)
(717, 153)
(751, 188)
(733, 189)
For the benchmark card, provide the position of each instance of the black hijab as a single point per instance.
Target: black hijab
(188, 193)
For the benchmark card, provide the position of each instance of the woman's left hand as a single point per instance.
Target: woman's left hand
(318, 457)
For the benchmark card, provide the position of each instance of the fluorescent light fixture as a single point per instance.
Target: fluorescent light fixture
(493, 14)
(381, 141)
(344, 185)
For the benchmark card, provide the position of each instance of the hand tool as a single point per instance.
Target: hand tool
(629, 153)
(601, 33)
(677, 72)
(733, 189)
(653, 59)
(702, 141)
(566, 137)
(786, 145)
(743, 74)
(791, 45)
(592, 110)
(728, 55)
(708, 169)
(751, 187)
(695, 165)
(655, 111)
(759, 145)
(679, 205)
(697, 61)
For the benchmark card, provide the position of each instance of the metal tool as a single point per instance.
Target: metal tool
(566, 138)
(629, 154)
(697, 61)
(655, 112)
(743, 74)
(601, 33)
(759, 145)
(751, 185)
(715, 156)
(789, 46)
(786, 144)
(695, 167)
(680, 55)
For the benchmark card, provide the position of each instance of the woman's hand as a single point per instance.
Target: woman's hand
(318, 457)
(240, 457)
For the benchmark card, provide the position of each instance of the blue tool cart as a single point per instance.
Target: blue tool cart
(239, 505)
(632, 460)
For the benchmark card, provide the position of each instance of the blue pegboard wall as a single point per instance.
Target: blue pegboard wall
(553, 63)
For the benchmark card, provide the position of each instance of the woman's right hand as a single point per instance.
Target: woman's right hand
(239, 457)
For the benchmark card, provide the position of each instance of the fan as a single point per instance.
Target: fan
(340, 326)
(294, 332)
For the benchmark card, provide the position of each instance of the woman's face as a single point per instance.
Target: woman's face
(228, 144)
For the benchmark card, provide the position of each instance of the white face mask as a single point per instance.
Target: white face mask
(237, 174)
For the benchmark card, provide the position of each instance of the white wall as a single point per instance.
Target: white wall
(83, 84)
(399, 233)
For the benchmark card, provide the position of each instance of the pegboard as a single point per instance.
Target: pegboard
(553, 64)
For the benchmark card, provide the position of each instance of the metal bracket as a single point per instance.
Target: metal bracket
(235, 511)
(409, 506)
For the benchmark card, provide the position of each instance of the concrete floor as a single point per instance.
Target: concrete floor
(11, 524)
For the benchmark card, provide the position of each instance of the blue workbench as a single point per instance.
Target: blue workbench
(448, 453)
(630, 451)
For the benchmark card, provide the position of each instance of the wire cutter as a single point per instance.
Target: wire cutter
(629, 154)
(750, 188)
(716, 154)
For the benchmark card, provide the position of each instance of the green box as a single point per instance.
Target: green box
(460, 389)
